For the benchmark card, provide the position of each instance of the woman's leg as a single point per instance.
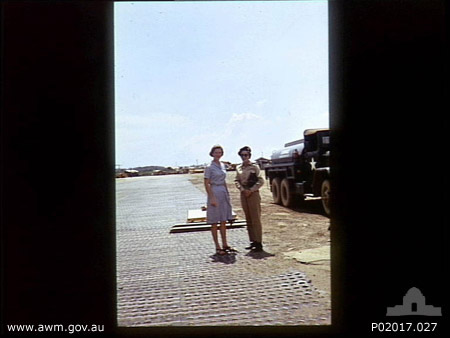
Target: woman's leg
(214, 235)
(248, 218)
(223, 233)
(254, 211)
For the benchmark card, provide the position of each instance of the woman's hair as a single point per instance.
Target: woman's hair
(246, 148)
(214, 148)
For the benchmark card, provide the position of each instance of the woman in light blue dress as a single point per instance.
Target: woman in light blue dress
(218, 204)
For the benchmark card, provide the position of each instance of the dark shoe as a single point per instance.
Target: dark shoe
(229, 249)
(257, 247)
(221, 252)
(251, 247)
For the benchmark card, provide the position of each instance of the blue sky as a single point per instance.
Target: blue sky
(189, 75)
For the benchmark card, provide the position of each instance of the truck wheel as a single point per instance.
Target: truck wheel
(276, 194)
(325, 194)
(286, 194)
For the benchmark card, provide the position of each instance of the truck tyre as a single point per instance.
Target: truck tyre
(276, 193)
(286, 194)
(325, 194)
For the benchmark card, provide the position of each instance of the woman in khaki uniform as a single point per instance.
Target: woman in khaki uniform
(248, 180)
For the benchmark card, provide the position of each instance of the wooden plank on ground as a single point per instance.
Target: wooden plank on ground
(204, 223)
(196, 215)
(201, 227)
(199, 215)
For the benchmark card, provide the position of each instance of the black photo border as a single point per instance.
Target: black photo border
(388, 120)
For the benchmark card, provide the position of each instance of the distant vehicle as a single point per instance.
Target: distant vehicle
(301, 170)
(131, 173)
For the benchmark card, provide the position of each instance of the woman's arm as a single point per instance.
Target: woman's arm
(208, 189)
(237, 181)
(260, 181)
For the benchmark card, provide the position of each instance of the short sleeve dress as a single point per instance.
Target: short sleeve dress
(222, 212)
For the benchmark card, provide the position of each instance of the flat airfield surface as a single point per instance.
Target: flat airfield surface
(166, 279)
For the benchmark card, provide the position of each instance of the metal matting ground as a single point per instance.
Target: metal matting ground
(176, 279)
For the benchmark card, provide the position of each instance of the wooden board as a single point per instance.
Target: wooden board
(236, 222)
(202, 227)
(198, 215)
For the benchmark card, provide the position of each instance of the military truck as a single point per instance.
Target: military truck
(301, 170)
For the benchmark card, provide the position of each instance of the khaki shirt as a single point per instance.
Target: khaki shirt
(242, 174)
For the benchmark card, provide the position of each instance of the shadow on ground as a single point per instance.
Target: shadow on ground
(225, 259)
(259, 254)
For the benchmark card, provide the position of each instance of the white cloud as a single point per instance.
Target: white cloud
(153, 121)
(235, 118)
(261, 103)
